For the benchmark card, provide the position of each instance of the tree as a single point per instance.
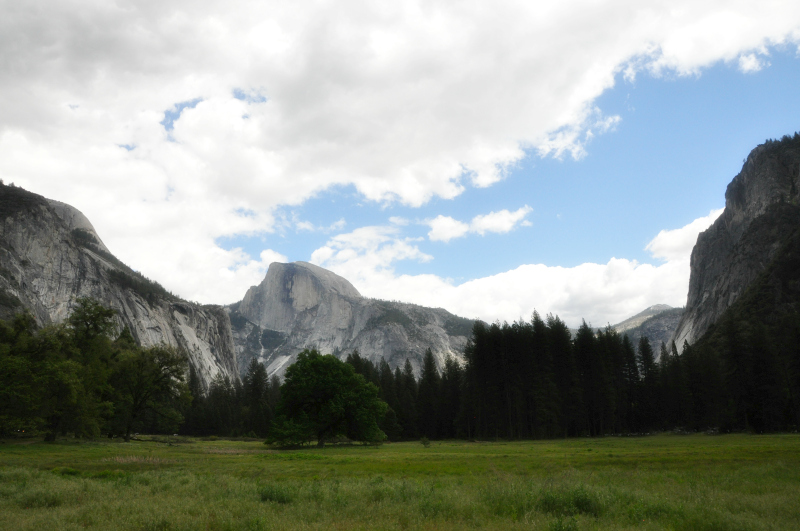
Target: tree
(450, 405)
(428, 396)
(322, 397)
(21, 372)
(255, 388)
(148, 381)
(648, 370)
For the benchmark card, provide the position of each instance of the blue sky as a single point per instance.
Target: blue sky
(488, 158)
(680, 141)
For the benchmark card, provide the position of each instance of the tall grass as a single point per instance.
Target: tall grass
(722, 483)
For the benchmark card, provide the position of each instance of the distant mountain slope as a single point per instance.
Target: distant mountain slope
(301, 305)
(657, 323)
(641, 317)
(50, 255)
(761, 214)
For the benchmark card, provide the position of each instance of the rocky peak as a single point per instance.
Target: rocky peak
(76, 221)
(290, 289)
(300, 305)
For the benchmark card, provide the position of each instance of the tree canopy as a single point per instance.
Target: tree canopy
(323, 397)
(74, 378)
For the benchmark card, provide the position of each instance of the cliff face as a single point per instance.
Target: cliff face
(761, 213)
(50, 255)
(301, 305)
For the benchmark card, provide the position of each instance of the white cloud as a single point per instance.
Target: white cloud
(307, 226)
(751, 63)
(600, 293)
(405, 101)
(367, 251)
(445, 228)
(677, 244)
(500, 222)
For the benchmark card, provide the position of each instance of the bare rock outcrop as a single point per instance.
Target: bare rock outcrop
(761, 211)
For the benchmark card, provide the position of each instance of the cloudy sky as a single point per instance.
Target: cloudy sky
(491, 158)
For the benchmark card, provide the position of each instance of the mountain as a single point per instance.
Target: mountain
(301, 305)
(657, 323)
(50, 255)
(760, 219)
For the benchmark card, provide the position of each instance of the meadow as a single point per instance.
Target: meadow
(697, 482)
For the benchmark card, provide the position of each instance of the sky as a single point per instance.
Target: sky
(490, 158)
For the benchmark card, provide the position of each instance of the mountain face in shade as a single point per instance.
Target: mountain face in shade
(300, 305)
(50, 255)
(761, 215)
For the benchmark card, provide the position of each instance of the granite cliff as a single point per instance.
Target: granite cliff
(762, 212)
(50, 255)
(301, 305)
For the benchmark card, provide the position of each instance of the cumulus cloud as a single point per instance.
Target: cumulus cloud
(172, 124)
(600, 293)
(445, 228)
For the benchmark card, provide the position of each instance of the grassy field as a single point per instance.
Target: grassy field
(657, 482)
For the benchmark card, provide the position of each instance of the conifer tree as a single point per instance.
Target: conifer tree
(428, 397)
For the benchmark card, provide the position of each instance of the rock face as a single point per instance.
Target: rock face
(50, 255)
(300, 305)
(656, 323)
(761, 212)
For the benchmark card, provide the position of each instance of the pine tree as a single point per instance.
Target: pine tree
(255, 389)
(428, 397)
(566, 377)
(450, 405)
(649, 392)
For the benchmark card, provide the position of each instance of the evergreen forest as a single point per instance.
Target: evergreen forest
(524, 380)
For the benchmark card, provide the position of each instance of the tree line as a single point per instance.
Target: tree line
(523, 380)
(529, 380)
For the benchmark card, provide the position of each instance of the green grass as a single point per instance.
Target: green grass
(700, 482)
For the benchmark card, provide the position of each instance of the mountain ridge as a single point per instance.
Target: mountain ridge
(51, 255)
